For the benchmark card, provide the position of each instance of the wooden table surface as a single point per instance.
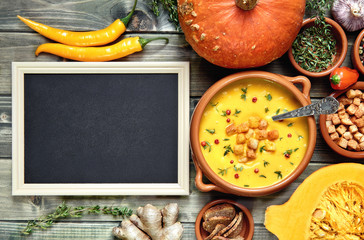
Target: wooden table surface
(18, 43)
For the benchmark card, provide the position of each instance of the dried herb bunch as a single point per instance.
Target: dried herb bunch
(314, 48)
(170, 6)
(65, 211)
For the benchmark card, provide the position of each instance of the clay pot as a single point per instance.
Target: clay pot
(326, 136)
(355, 53)
(248, 223)
(202, 167)
(341, 48)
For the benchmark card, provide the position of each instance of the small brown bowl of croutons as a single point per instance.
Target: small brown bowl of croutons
(224, 219)
(344, 131)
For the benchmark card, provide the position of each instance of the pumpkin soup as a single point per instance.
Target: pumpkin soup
(240, 141)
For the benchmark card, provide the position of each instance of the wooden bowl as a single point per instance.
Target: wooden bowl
(248, 222)
(341, 48)
(326, 136)
(355, 53)
(201, 165)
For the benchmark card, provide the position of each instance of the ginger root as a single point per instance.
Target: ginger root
(151, 223)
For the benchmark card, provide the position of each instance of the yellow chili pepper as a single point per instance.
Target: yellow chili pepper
(97, 54)
(82, 39)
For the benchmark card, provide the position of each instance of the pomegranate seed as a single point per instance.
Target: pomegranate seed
(255, 99)
(228, 120)
(231, 161)
(228, 112)
(216, 141)
(203, 143)
(289, 135)
(236, 175)
(256, 170)
(287, 155)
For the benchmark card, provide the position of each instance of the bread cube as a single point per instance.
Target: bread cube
(243, 127)
(357, 101)
(348, 135)
(351, 93)
(341, 113)
(335, 119)
(346, 121)
(329, 117)
(239, 149)
(341, 106)
(361, 130)
(251, 154)
(359, 122)
(253, 143)
(334, 136)
(343, 143)
(263, 124)
(331, 129)
(352, 109)
(345, 101)
(273, 135)
(240, 138)
(358, 136)
(249, 134)
(230, 129)
(353, 129)
(243, 159)
(270, 146)
(261, 134)
(341, 129)
(361, 146)
(358, 93)
(359, 113)
(253, 122)
(329, 123)
(353, 145)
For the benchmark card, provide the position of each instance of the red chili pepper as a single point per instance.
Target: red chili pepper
(341, 78)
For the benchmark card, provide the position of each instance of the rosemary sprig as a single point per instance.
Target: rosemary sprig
(171, 7)
(65, 211)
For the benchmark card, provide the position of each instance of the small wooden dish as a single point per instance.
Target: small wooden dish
(341, 48)
(326, 136)
(248, 229)
(355, 53)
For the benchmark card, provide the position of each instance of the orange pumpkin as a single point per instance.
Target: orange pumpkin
(225, 34)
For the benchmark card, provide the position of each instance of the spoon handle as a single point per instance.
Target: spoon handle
(326, 105)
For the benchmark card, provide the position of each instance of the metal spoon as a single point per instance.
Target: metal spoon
(326, 105)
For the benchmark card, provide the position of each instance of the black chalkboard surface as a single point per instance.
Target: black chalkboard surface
(109, 128)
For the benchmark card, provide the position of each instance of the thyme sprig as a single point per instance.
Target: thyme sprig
(171, 7)
(65, 211)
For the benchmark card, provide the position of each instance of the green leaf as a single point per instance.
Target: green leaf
(268, 97)
(212, 131)
(279, 174)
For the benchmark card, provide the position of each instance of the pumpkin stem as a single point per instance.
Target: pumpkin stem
(246, 4)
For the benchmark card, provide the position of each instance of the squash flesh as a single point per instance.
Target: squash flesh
(292, 220)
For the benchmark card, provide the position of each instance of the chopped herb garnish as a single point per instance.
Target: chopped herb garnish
(265, 163)
(263, 176)
(262, 148)
(237, 112)
(208, 145)
(228, 149)
(291, 163)
(226, 139)
(243, 96)
(300, 137)
(212, 131)
(280, 139)
(290, 124)
(266, 109)
(224, 114)
(238, 169)
(223, 171)
(268, 97)
(290, 151)
(214, 104)
(278, 110)
(246, 185)
(279, 174)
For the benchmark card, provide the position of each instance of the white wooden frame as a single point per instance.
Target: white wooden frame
(19, 187)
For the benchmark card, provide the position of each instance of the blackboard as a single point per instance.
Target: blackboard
(102, 128)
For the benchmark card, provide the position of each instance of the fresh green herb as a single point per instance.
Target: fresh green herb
(262, 148)
(263, 176)
(237, 112)
(266, 163)
(280, 139)
(279, 174)
(291, 163)
(300, 137)
(290, 151)
(170, 6)
(224, 114)
(238, 169)
(65, 211)
(268, 97)
(214, 104)
(266, 109)
(226, 139)
(212, 131)
(223, 171)
(228, 149)
(243, 96)
(246, 185)
(278, 110)
(290, 124)
(208, 145)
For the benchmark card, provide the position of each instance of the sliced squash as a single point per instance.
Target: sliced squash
(329, 204)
